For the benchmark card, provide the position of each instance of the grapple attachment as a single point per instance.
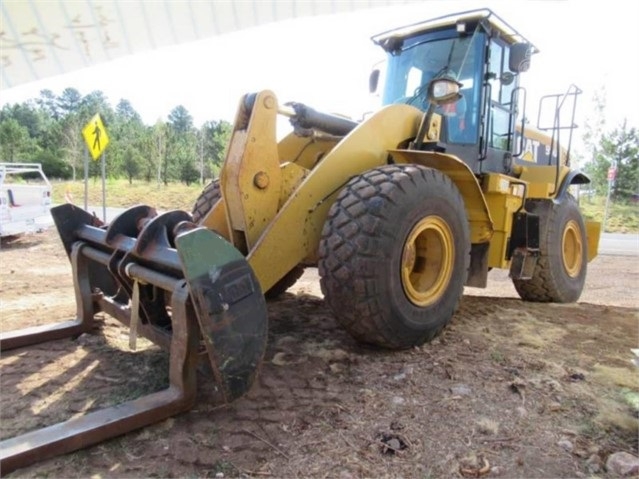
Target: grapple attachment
(183, 287)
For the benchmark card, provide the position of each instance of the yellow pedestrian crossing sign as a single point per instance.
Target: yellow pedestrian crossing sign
(95, 136)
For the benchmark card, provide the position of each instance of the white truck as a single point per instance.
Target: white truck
(25, 198)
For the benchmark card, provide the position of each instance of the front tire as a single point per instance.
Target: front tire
(394, 255)
(207, 199)
(560, 273)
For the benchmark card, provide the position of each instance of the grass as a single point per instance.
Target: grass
(535, 334)
(622, 218)
(497, 356)
(623, 377)
(119, 193)
(487, 426)
(614, 414)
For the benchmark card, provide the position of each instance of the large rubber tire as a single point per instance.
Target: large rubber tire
(560, 273)
(207, 199)
(394, 255)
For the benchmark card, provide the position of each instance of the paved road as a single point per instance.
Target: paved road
(611, 244)
(619, 244)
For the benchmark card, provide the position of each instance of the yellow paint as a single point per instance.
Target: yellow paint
(427, 261)
(528, 156)
(217, 221)
(292, 176)
(250, 179)
(95, 136)
(503, 198)
(276, 197)
(303, 151)
(293, 235)
(593, 233)
(543, 139)
(541, 180)
(572, 248)
(434, 128)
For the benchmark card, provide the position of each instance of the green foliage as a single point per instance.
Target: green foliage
(48, 104)
(27, 115)
(70, 101)
(15, 141)
(189, 174)
(217, 135)
(180, 120)
(181, 147)
(619, 149)
(53, 165)
(126, 113)
(131, 163)
(48, 130)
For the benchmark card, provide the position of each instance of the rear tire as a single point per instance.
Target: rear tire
(394, 255)
(560, 272)
(210, 195)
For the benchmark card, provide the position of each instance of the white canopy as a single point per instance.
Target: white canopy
(41, 38)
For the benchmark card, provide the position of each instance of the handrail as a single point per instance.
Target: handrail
(514, 97)
(555, 144)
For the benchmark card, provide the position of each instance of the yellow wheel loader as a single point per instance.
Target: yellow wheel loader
(398, 211)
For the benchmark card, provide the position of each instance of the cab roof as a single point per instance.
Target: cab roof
(471, 16)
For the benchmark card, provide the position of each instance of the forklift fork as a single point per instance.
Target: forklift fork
(180, 286)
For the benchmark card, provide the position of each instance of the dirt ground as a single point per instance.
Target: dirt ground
(510, 389)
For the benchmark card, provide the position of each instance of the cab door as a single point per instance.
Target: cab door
(501, 88)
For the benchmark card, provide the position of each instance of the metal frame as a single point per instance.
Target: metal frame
(182, 287)
(80, 432)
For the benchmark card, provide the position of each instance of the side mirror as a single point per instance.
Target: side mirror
(373, 81)
(519, 60)
(443, 91)
(507, 78)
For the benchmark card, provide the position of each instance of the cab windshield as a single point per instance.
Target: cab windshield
(421, 58)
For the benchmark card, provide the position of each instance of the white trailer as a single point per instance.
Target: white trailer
(25, 198)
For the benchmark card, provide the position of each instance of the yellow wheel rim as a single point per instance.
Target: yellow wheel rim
(572, 249)
(427, 261)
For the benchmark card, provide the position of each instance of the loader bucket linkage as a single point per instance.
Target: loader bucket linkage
(162, 276)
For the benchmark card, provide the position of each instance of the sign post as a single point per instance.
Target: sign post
(86, 179)
(103, 188)
(97, 139)
(612, 174)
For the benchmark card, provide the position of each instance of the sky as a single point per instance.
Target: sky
(325, 61)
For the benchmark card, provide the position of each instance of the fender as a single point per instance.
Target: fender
(480, 221)
(574, 177)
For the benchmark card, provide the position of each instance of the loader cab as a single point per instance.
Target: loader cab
(482, 53)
